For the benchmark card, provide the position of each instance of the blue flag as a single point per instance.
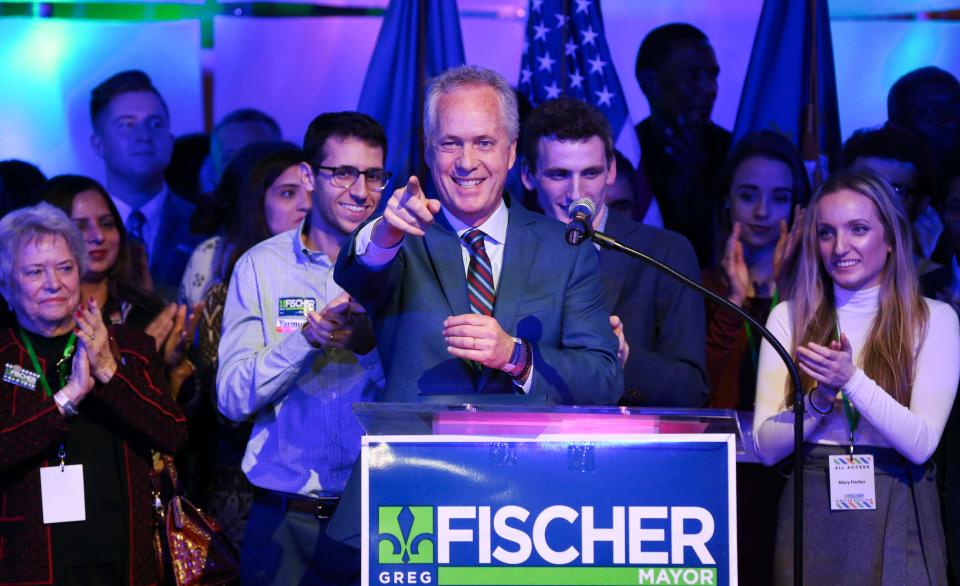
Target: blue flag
(792, 60)
(419, 39)
(565, 52)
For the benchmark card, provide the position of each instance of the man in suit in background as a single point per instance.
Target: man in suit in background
(131, 133)
(683, 151)
(234, 131)
(927, 101)
(567, 155)
(472, 293)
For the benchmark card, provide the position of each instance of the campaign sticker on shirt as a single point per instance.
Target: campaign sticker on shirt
(291, 306)
(17, 375)
(292, 313)
(852, 486)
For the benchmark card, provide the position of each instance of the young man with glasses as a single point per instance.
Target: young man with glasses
(296, 354)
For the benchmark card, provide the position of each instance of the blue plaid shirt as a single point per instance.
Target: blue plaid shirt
(305, 437)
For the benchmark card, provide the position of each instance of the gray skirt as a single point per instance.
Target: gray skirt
(901, 542)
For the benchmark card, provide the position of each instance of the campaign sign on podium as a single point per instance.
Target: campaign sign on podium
(602, 509)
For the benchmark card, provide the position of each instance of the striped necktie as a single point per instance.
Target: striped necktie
(480, 289)
(136, 223)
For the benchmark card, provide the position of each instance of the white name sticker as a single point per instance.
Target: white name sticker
(62, 494)
(288, 325)
(852, 486)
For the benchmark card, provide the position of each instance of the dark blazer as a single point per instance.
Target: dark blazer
(173, 245)
(663, 321)
(548, 294)
(30, 429)
(689, 212)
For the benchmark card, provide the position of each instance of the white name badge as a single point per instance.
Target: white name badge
(852, 486)
(62, 494)
(289, 325)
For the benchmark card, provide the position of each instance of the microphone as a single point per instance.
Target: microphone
(580, 227)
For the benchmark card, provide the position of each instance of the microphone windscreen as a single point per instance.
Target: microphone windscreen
(583, 205)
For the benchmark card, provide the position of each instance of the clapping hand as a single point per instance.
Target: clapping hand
(160, 327)
(94, 339)
(786, 246)
(80, 383)
(831, 366)
(736, 267)
(342, 323)
(181, 335)
(685, 142)
(173, 330)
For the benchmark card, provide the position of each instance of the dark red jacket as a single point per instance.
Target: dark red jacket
(30, 425)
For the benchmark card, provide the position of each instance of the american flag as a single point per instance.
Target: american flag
(565, 52)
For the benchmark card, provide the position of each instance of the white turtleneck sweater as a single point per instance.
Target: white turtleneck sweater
(913, 432)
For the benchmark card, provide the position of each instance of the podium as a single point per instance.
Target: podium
(469, 494)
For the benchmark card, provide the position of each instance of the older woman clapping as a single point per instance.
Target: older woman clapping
(73, 393)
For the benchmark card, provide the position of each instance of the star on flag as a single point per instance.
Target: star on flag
(546, 62)
(597, 65)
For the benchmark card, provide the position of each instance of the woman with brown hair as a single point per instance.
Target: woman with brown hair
(880, 370)
(116, 277)
(763, 188)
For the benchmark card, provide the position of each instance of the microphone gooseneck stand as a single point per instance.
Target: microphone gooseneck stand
(612, 244)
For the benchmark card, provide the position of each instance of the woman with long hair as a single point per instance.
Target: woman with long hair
(242, 220)
(268, 197)
(764, 187)
(117, 277)
(272, 197)
(879, 369)
(112, 277)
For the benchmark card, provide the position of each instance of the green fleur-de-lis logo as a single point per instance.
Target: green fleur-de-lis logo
(406, 535)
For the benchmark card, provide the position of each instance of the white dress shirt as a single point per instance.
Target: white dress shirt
(151, 210)
(494, 239)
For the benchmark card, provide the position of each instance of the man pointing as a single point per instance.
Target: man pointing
(470, 293)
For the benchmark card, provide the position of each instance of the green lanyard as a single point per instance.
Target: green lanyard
(851, 413)
(61, 364)
(753, 350)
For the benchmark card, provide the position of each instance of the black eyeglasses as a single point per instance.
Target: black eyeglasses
(345, 176)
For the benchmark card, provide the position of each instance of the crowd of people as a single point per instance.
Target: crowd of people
(228, 299)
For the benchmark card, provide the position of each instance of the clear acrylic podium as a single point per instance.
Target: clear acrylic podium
(639, 470)
(512, 418)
